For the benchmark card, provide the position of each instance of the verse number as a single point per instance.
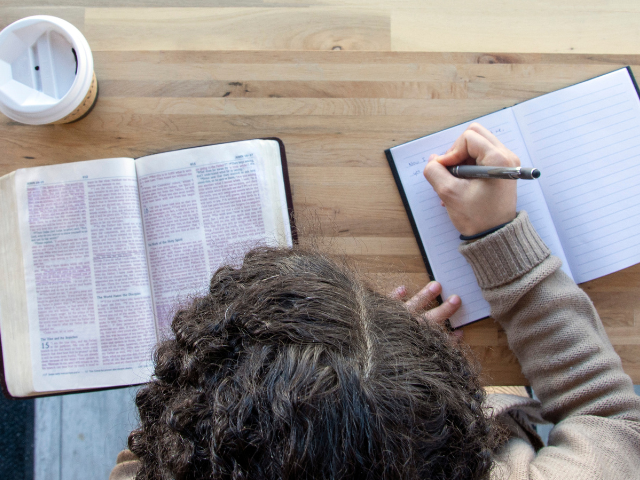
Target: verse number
(85, 176)
(45, 345)
(193, 164)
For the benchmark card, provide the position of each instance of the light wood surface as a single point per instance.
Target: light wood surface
(79, 436)
(338, 82)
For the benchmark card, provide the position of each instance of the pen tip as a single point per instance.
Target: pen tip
(535, 173)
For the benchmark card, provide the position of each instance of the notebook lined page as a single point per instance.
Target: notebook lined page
(438, 235)
(585, 139)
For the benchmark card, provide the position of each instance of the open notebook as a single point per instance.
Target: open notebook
(585, 139)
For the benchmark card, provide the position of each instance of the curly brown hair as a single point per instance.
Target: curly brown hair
(291, 367)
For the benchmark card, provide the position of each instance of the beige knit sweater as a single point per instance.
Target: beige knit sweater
(564, 351)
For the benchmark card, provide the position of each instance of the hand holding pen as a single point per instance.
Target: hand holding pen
(475, 206)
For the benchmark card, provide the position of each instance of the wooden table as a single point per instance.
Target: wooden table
(336, 111)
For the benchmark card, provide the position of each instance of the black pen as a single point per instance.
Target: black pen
(511, 173)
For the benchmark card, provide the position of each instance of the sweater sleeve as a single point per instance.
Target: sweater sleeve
(556, 333)
(126, 466)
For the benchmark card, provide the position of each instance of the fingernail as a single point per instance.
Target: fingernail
(432, 156)
(434, 287)
(454, 300)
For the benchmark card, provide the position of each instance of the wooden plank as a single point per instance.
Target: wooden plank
(155, 133)
(474, 88)
(147, 3)
(249, 28)
(186, 58)
(47, 445)
(72, 14)
(275, 89)
(262, 68)
(411, 25)
(369, 245)
(507, 26)
(94, 428)
(291, 106)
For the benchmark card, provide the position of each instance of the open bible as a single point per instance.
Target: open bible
(585, 140)
(96, 256)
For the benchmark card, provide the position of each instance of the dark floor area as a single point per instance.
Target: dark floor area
(16, 438)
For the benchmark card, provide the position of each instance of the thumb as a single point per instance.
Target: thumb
(438, 176)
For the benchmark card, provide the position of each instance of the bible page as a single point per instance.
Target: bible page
(585, 139)
(439, 237)
(88, 293)
(204, 207)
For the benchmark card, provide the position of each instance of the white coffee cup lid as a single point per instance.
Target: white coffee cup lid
(46, 69)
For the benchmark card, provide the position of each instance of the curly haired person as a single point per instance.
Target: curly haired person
(292, 367)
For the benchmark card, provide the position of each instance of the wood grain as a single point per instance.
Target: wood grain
(507, 26)
(571, 26)
(72, 14)
(82, 431)
(246, 28)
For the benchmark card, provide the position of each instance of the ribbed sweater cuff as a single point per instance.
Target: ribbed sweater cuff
(507, 254)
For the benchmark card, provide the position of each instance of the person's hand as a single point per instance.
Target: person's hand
(475, 205)
(421, 305)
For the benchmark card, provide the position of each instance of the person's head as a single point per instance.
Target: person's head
(292, 368)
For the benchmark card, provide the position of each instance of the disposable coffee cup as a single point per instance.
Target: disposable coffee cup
(46, 72)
